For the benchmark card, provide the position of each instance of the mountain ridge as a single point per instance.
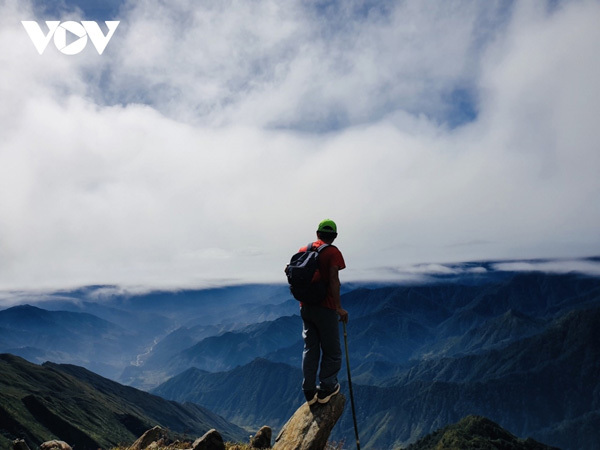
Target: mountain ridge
(80, 338)
(39, 403)
(524, 384)
(515, 347)
(476, 433)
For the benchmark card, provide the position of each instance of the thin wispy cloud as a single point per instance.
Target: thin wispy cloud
(208, 140)
(587, 267)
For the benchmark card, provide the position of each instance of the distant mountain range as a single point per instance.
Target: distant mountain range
(522, 351)
(79, 338)
(541, 386)
(109, 331)
(90, 412)
(38, 403)
(519, 348)
(224, 351)
(259, 392)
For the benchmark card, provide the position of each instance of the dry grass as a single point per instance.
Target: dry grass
(231, 446)
(187, 445)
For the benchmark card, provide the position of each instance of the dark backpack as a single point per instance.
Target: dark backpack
(301, 274)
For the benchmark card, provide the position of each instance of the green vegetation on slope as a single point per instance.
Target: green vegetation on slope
(39, 403)
(475, 433)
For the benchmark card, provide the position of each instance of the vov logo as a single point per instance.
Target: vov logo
(78, 34)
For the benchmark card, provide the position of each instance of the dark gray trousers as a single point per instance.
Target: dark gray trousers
(321, 334)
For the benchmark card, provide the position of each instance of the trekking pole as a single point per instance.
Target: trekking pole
(350, 387)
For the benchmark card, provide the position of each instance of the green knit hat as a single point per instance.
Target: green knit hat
(327, 226)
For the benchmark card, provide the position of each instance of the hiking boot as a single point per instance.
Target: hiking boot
(311, 397)
(324, 395)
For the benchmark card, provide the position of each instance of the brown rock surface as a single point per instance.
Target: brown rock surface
(211, 440)
(55, 445)
(310, 426)
(262, 438)
(150, 436)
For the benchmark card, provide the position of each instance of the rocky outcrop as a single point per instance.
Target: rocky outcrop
(310, 426)
(152, 435)
(262, 438)
(55, 445)
(211, 440)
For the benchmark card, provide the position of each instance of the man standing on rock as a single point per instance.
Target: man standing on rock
(320, 329)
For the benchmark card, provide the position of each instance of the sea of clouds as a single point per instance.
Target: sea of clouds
(210, 138)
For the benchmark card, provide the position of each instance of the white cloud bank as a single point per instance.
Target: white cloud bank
(210, 138)
(587, 267)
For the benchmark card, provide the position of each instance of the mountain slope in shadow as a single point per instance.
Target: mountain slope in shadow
(52, 401)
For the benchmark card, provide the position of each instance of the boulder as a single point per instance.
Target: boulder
(161, 443)
(150, 436)
(211, 440)
(55, 445)
(310, 426)
(20, 444)
(262, 438)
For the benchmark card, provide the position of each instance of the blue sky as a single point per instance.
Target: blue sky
(210, 138)
(88, 10)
